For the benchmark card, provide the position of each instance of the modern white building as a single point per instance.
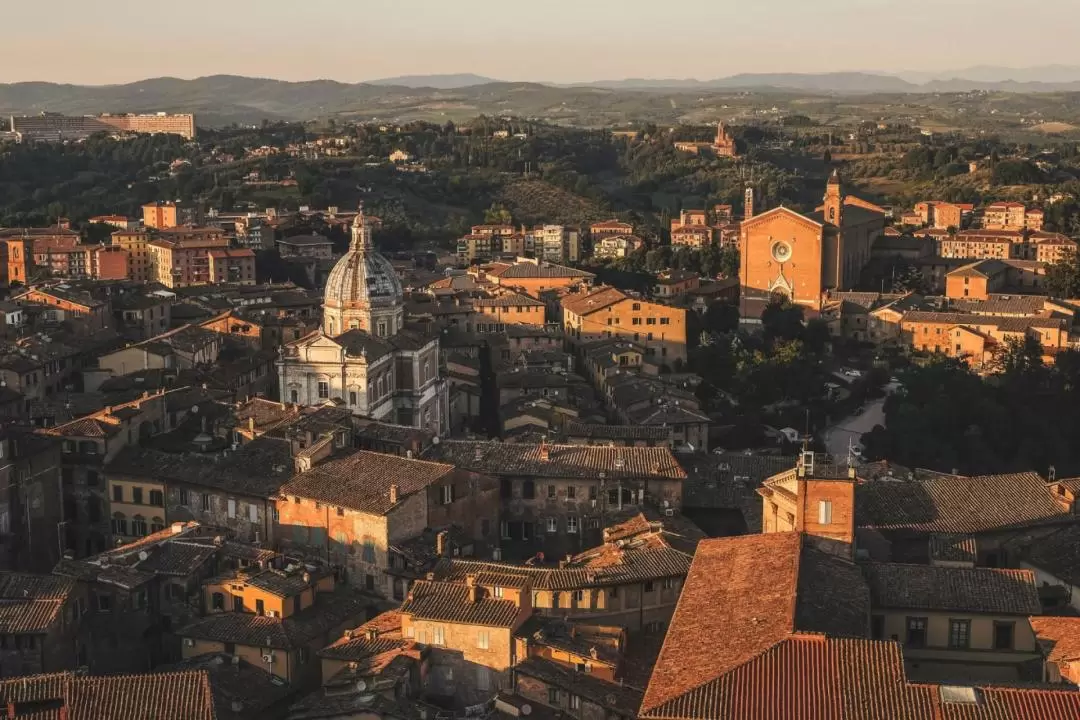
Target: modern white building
(364, 356)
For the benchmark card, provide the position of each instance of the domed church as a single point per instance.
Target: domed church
(363, 356)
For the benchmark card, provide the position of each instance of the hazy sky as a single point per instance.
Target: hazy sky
(109, 41)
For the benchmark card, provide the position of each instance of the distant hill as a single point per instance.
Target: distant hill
(997, 75)
(438, 82)
(222, 99)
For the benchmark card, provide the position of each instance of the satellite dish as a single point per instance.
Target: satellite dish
(526, 709)
(361, 686)
(194, 409)
(143, 555)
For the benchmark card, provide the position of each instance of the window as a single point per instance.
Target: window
(104, 603)
(368, 553)
(232, 508)
(960, 634)
(551, 492)
(877, 627)
(437, 637)
(483, 640)
(916, 632)
(341, 512)
(324, 389)
(138, 525)
(1003, 635)
(667, 583)
(294, 396)
(650, 321)
(182, 496)
(552, 524)
(528, 490)
(119, 525)
(575, 702)
(118, 493)
(352, 397)
(571, 524)
(136, 495)
(504, 530)
(157, 498)
(217, 601)
(579, 598)
(635, 321)
(593, 492)
(635, 307)
(571, 492)
(553, 696)
(665, 321)
(238, 603)
(824, 512)
(260, 608)
(253, 513)
(447, 494)
(204, 502)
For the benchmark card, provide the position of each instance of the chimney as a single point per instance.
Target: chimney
(251, 425)
(545, 452)
(373, 633)
(177, 528)
(474, 594)
(442, 542)
(393, 494)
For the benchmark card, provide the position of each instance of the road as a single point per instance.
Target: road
(851, 429)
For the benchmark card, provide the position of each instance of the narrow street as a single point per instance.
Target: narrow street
(850, 430)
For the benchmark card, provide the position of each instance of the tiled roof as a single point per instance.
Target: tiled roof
(543, 270)
(727, 617)
(803, 677)
(564, 461)
(31, 603)
(379, 635)
(362, 480)
(938, 503)
(615, 432)
(160, 696)
(1057, 554)
(583, 304)
(1060, 636)
(178, 558)
(959, 589)
(616, 697)
(450, 602)
(508, 300)
(329, 611)
(241, 690)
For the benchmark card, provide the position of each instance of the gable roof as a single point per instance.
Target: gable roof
(159, 696)
(362, 480)
(959, 589)
(726, 616)
(940, 503)
(563, 461)
(31, 603)
(583, 304)
(450, 602)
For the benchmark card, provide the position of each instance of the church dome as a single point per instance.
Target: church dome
(362, 279)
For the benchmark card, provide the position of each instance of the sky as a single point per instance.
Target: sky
(115, 41)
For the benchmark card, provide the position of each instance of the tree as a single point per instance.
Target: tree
(1063, 277)
(497, 214)
(657, 260)
(729, 261)
(781, 319)
(721, 317)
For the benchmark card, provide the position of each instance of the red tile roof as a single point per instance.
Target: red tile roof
(450, 603)
(1060, 635)
(957, 589)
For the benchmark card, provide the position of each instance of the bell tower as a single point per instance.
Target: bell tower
(834, 200)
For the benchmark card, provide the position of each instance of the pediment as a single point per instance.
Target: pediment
(781, 214)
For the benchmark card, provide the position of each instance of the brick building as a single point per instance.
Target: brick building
(180, 256)
(800, 257)
(235, 266)
(40, 633)
(355, 508)
(608, 313)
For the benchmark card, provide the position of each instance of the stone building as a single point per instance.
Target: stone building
(40, 630)
(357, 507)
(363, 355)
(557, 498)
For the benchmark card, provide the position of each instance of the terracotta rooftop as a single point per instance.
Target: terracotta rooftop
(378, 637)
(1060, 636)
(726, 616)
(939, 503)
(542, 270)
(563, 461)
(585, 303)
(953, 548)
(615, 697)
(30, 604)
(159, 696)
(241, 690)
(362, 480)
(956, 589)
(450, 602)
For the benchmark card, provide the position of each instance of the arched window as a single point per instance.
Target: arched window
(157, 525)
(119, 524)
(138, 525)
